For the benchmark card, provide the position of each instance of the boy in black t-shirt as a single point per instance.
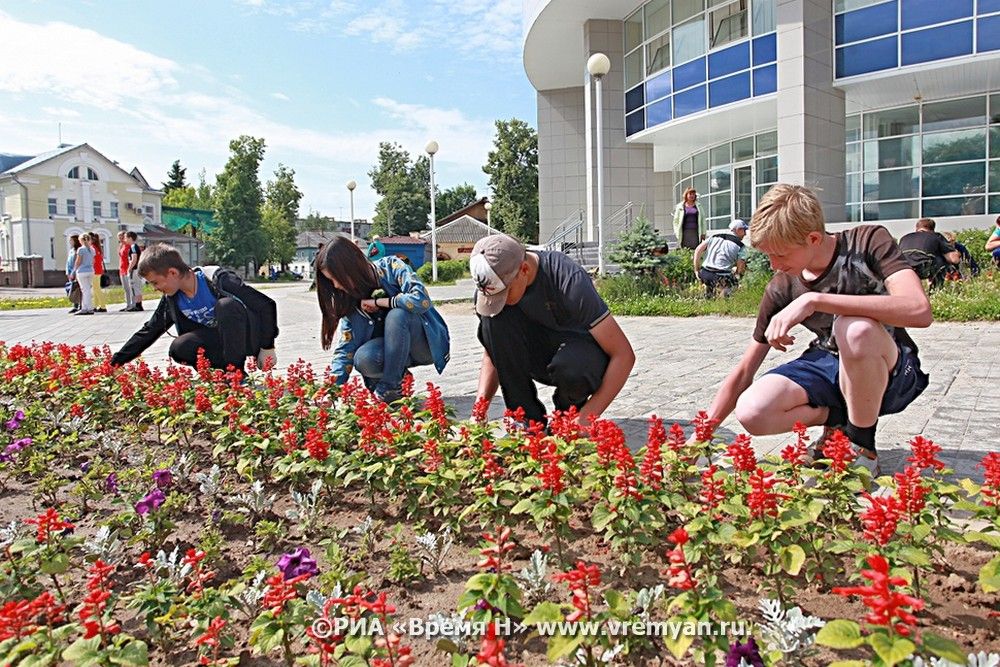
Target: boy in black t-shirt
(928, 252)
(540, 318)
(855, 291)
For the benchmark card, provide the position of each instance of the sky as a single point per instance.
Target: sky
(322, 81)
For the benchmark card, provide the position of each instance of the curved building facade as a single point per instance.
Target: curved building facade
(890, 109)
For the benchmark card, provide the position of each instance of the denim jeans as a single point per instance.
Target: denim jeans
(383, 360)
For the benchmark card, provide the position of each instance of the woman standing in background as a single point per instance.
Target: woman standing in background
(100, 300)
(689, 223)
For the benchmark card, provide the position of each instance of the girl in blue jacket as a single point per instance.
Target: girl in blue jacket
(380, 335)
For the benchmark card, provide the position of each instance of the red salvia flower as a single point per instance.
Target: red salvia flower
(211, 635)
(581, 580)
(92, 612)
(795, 454)
(406, 386)
(840, 452)
(499, 545)
(991, 479)
(741, 451)
(712, 491)
(280, 591)
(491, 649)
(317, 447)
(925, 453)
(762, 499)
(880, 520)
(678, 572)
(888, 607)
(652, 463)
(704, 428)
(432, 457)
(552, 472)
(677, 439)
(480, 410)
(566, 424)
(48, 522)
(435, 405)
(911, 491)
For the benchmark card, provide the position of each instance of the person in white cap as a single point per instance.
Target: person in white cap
(541, 318)
(725, 259)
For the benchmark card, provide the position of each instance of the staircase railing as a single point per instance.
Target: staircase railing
(572, 225)
(617, 224)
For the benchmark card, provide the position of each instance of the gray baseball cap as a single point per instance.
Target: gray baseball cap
(494, 264)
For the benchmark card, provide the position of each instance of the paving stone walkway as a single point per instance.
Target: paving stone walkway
(680, 363)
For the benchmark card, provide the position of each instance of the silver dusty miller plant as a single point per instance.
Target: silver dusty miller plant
(367, 532)
(183, 469)
(535, 577)
(104, 545)
(789, 631)
(210, 483)
(434, 548)
(255, 502)
(645, 599)
(249, 598)
(981, 659)
(306, 510)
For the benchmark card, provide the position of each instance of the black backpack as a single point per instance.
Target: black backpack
(921, 261)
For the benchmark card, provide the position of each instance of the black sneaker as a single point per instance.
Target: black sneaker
(100, 310)
(74, 309)
(137, 307)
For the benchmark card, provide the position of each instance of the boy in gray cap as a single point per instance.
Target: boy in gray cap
(725, 259)
(540, 318)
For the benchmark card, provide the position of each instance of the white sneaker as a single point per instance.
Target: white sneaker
(870, 464)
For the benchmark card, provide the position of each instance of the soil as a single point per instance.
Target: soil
(955, 606)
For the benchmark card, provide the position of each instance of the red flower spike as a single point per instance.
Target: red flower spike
(888, 607)
(925, 453)
(704, 428)
(840, 452)
(741, 451)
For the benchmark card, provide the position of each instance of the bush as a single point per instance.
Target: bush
(679, 267)
(448, 271)
(975, 241)
(638, 251)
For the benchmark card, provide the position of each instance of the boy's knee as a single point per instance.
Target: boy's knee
(857, 336)
(751, 414)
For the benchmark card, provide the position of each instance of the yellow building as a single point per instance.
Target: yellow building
(71, 190)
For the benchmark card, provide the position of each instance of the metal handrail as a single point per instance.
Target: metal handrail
(619, 222)
(573, 223)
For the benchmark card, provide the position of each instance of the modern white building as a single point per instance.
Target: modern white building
(889, 108)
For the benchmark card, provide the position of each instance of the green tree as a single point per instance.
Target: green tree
(281, 209)
(238, 199)
(181, 197)
(205, 193)
(638, 251)
(314, 222)
(405, 202)
(175, 177)
(454, 199)
(512, 166)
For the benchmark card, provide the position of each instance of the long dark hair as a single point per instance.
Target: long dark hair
(343, 260)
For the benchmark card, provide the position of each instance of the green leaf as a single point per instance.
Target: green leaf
(989, 538)
(840, 634)
(892, 652)
(352, 661)
(921, 531)
(133, 654)
(914, 556)
(792, 558)
(943, 647)
(58, 564)
(521, 507)
(84, 652)
(562, 645)
(601, 517)
(617, 602)
(989, 576)
(358, 644)
(848, 663)
(544, 612)
(678, 646)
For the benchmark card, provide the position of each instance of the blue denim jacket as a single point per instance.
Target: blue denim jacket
(405, 290)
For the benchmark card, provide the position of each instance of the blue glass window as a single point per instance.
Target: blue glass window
(987, 6)
(868, 22)
(689, 74)
(765, 49)
(633, 99)
(989, 34)
(730, 60)
(634, 122)
(765, 80)
(730, 89)
(689, 101)
(871, 56)
(937, 43)
(658, 112)
(658, 87)
(916, 13)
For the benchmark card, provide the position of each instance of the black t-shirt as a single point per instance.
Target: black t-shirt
(931, 243)
(562, 297)
(865, 256)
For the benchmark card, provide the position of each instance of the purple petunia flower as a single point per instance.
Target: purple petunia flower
(14, 448)
(84, 467)
(163, 479)
(748, 653)
(111, 483)
(297, 563)
(152, 501)
(14, 422)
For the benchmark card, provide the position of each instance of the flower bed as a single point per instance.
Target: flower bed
(180, 517)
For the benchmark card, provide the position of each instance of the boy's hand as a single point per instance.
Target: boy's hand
(777, 333)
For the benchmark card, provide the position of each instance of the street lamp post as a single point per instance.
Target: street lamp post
(489, 227)
(350, 186)
(432, 148)
(598, 65)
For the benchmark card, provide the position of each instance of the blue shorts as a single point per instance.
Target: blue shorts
(818, 372)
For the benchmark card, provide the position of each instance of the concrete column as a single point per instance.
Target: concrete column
(810, 110)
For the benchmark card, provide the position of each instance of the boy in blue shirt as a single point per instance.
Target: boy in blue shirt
(212, 309)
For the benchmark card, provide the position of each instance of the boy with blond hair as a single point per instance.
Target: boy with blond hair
(853, 290)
